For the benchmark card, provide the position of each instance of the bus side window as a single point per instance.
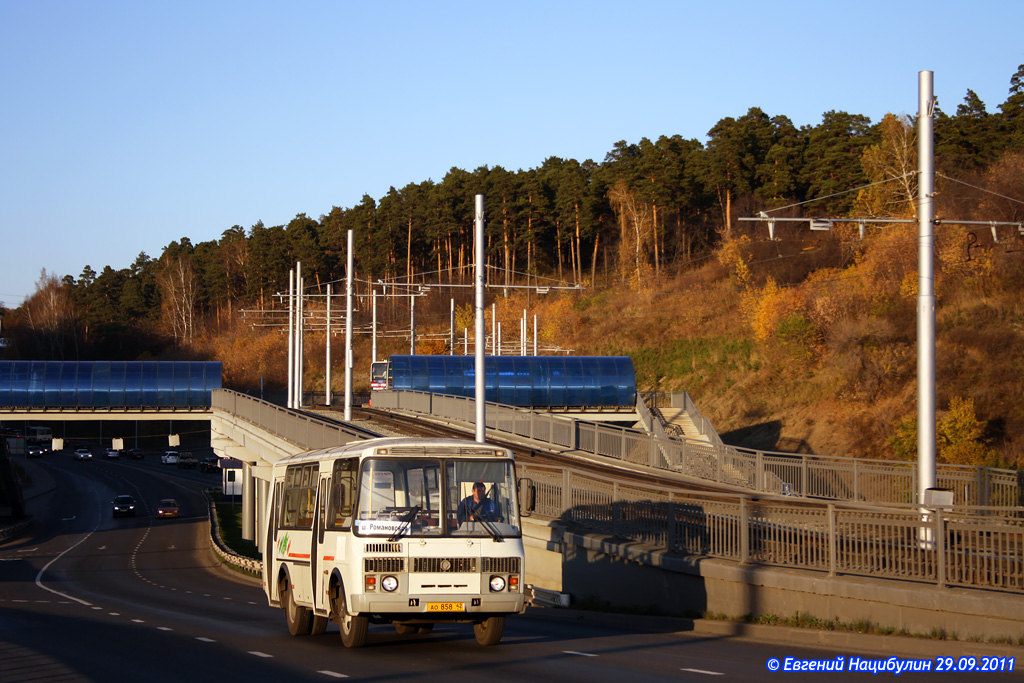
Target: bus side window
(342, 494)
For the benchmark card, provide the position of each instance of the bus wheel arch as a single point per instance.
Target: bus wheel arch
(298, 618)
(353, 627)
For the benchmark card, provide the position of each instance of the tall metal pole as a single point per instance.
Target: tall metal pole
(412, 325)
(925, 285)
(349, 273)
(300, 330)
(451, 333)
(327, 366)
(291, 338)
(478, 343)
(373, 296)
(535, 334)
(494, 329)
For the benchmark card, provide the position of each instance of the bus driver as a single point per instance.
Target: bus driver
(478, 507)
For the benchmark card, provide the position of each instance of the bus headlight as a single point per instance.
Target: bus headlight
(497, 584)
(389, 583)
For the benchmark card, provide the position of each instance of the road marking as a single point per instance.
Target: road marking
(206, 640)
(164, 628)
(139, 621)
(39, 576)
(332, 674)
(581, 654)
(114, 614)
(702, 671)
(257, 653)
(28, 550)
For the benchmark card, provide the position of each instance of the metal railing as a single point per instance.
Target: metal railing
(966, 549)
(805, 476)
(305, 431)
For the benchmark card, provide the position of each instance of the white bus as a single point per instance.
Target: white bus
(402, 530)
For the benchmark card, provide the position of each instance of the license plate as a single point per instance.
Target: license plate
(446, 607)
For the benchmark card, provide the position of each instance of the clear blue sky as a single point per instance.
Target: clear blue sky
(125, 125)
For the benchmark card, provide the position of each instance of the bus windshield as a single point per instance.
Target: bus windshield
(430, 497)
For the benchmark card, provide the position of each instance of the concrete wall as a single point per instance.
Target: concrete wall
(603, 570)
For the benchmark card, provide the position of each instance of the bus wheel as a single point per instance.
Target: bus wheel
(319, 625)
(299, 619)
(353, 627)
(490, 630)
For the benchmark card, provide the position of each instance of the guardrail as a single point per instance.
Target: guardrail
(966, 549)
(805, 476)
(305, 431)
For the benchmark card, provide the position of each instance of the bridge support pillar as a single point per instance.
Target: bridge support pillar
(248, 504)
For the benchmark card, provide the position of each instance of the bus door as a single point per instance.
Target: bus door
(321, 555)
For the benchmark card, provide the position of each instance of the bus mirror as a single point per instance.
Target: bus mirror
(527, 497)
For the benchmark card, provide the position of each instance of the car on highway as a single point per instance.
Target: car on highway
(186, 461)
(113, 453)
(168, 507)
(136, 454)
(83, 454)
(35, 451)
(209, 464)
(124, 506)
(169, 458)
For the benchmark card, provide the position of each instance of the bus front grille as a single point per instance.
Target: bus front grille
(501, 565)
(380, 565)
(444, 565)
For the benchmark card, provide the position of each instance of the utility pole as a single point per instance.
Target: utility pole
(925, 286)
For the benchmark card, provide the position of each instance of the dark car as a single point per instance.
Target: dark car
(209, 464)
(186, 461)
(136, 454)
(35, 451)
(124, 506)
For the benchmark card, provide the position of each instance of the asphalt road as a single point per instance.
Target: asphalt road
(86, 597)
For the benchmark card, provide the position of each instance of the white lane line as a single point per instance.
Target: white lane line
(702, 671)
(206, 640)
(39, 576)
(164, 628)
(257, 653)
(581, 654)
(139, 621)
(332, 674)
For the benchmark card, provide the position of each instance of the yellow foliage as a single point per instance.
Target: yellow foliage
(734, 255)
(764, 308)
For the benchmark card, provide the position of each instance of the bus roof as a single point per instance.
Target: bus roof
(404, 446)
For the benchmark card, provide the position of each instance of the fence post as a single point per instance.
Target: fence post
(856, 481)
(760, 480)
(744, 531)
(670, 536)
(940, 546)
(831, 539)
(803, 477)
(566, 491)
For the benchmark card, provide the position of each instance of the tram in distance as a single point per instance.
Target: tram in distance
(400, 530)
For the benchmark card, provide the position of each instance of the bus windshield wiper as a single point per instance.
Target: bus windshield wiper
(406, 521)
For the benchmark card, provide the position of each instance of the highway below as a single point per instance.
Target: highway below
(87, 597)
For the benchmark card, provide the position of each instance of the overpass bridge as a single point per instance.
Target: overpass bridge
(752, 552)
(684, 552)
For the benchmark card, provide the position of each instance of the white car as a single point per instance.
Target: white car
(113, 453)
(169, 458)
(83, 454)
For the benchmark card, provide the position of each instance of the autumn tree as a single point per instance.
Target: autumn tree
(891, 167)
